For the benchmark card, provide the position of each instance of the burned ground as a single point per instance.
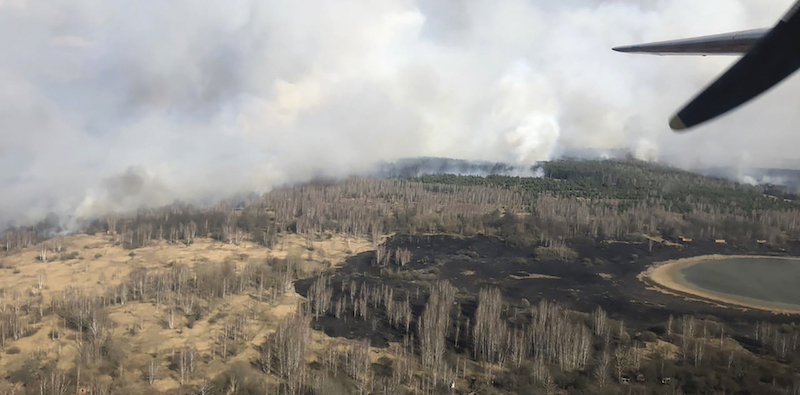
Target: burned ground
(759, 345)
(604, 275)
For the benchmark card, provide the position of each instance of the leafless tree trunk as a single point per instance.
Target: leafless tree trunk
(621, 362)
(57, 242)
(599, 322)
(669, 325)
(687, 335)
(358, 363)
(287, 346)
(402, 256)
(319, 294)
(700, 348)
(112, 225)
(601, 371)
(381, 255)
(185, 363)
(41, 277)
(204, 388)
(152, 370)
(55, 383)
(489, 327)
(636, 356)
(171, 313)
(433, 327)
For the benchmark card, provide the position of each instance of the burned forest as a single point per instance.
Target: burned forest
(418, 284)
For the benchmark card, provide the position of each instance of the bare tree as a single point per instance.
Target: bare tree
(402, 256)
(185, 362)
(287, 347)
(358, 364)
(669, 325)
(381, 255)
(518, 345)
(687, 335)
(433, 326)
(41, 277)
(204, 388)
(540, 370)
(152, 370)
(58, 242)
(171, 313)
(621, 362)
(111, 222)
(53, 383)
(700, 347)
(601, 370)
(319, 294)
(599, 322)
(489, 327)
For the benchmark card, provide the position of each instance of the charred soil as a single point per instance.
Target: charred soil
(604, 274)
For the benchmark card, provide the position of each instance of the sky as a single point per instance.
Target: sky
(109, 106)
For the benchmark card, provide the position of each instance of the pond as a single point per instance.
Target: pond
(768, 282)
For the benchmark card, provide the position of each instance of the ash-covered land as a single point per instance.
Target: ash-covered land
(489, 281)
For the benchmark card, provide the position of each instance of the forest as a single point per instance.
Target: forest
(410, 328)
(598, 199)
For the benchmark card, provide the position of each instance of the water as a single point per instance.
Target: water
(771, 282)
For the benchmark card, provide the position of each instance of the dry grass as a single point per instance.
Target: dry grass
(141, 327)
(529, 276)
(605, 276)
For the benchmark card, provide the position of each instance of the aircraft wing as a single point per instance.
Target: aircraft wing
(717, 44)
(771, 55)
(771, 59)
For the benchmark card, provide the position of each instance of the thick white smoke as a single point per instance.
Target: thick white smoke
(189, 99)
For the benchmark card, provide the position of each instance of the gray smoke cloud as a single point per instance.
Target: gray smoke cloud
(107, 106)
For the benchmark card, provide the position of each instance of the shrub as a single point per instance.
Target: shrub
(25, 373)
(195, 315)
(71, 255)
(647, 336)
(12, 350)
(556, 253)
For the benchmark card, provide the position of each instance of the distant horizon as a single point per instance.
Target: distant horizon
(429, 165)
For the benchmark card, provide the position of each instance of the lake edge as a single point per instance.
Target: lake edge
(666, 277)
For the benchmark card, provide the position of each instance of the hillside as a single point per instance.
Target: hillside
(420, 284)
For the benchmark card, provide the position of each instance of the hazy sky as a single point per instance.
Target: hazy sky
(108, 105)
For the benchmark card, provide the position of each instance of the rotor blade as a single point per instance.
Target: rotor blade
(772, 59)
(717, 44)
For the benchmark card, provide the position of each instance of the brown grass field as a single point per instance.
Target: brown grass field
(140, 327)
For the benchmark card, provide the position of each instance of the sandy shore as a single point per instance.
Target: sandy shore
(665, 277)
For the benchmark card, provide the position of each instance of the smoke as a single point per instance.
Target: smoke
(110, 106)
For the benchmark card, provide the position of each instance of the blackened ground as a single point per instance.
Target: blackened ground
(604, 275)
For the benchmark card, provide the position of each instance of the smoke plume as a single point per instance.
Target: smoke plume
(108, 106)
